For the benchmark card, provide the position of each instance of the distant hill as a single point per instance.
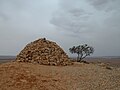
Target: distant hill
(7, 57)
(102, 57)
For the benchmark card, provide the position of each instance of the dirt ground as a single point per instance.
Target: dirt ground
(80, 76)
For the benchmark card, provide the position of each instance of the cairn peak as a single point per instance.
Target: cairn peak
(44, 52)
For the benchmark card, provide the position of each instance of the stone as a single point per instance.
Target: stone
(44, 52)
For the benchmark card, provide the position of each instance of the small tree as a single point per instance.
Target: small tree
(82, 51)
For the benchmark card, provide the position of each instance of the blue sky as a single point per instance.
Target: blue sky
(67, 22)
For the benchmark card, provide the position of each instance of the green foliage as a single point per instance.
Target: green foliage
(82, 51)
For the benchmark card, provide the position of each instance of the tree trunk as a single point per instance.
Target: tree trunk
(78, 57)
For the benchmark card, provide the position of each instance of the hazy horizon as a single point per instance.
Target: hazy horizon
(66, 22)
(72, 56)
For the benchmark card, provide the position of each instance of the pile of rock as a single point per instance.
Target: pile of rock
(44, 52)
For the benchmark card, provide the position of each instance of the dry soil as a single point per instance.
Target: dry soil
(80, 76)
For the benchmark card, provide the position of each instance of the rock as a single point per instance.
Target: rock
(44, 52)
(108, 67)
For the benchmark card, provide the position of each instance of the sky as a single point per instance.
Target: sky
(67, 22)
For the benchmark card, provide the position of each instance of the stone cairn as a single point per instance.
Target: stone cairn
(44, 52)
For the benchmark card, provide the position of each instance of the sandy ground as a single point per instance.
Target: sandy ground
(80, 76)
(114, 62)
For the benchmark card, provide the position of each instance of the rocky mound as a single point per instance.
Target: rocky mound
(44, 52)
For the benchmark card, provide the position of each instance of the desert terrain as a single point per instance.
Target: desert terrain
(79, 76)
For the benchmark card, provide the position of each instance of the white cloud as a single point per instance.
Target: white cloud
(70, 22)
(98, 23)
(71, 17)
(106, 5)
(22, 21)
